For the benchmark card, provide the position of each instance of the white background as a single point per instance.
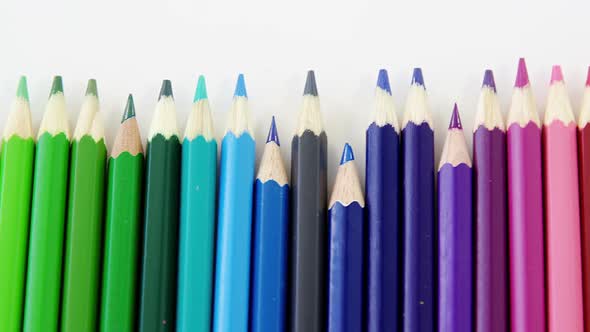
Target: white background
(130, 46)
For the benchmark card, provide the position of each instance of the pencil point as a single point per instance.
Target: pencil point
(310, 84)
(22, 91)
(201, 91)
(129, 109)
(273, 135)
(588, 77)
(488, 80)
(417, 78)
(383, 81)
(347, 154)
(455, 119)
(556, 74)
(241, 87)
(522, 75)
(166, 89)
(91, 88)
(57, 86)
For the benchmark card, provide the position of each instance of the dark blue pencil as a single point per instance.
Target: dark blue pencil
(271, 222)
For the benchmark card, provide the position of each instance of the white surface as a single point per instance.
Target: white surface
(130, 46)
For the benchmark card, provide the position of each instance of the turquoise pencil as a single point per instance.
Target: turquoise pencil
(197, 217)
(232, 274)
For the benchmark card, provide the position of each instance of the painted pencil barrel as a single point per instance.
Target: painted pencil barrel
(83, 236)
(345, 257)
(232, 274)
(584, 183)
(121, 245)
(383, 265)
(48, 212)
(455, 260)
(16, 178)
(269, 270)
(418, 209)
(197, 231)
(525, 206)
(308, 233)
(564, 271)
(160, 235)
(491, 222)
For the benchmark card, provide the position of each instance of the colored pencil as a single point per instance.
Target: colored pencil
(271, 222)
(84, 222)
(418, 211)
(308, 217)
(455, 240)
(562, 213)
(584, 183)
(234, 224)
(16, 177)
(48, 212)
(491, 218)
(383, 246)
(525, 206)
(197, 217)
(345, 253)
(157, 301)
(122, 227)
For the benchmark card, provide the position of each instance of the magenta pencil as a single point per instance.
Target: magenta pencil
(525, 206)
(562, 213)
(491, 218)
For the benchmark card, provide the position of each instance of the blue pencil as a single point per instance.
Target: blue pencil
(345, 253)
(271, 223)
(197, 217)
(232, 274)
(383, 264)
(418, 211)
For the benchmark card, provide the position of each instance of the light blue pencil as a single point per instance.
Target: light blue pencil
(197, 217)
(232, 274)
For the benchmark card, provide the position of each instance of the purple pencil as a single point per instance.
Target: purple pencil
(489, 157)
(455, 266)
(525, 209)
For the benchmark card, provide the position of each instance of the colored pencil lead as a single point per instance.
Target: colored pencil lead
(57, 85)
(273, 136)
(522, 75)
(455, 119)
(129, 109)
(22, 91)
(417, 78)
(166, 89)
(383, 81)
(588, 77)
(91, 88)
(201, 91)
(310, 84)
(556, 74)
(488, 80)
(347, 154)
(241, 87)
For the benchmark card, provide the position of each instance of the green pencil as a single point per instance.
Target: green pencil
(160, 235)
(84, 223)
(47, 216)
(123, 211)
(16, 177)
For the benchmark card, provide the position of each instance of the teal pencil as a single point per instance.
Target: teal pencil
(197, 217)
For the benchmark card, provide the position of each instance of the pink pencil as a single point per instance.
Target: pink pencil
(564, 262)
(525, 206)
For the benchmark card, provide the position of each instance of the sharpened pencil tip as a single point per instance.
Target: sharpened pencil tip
(417, 78)
(347, 154)
(556, 74)
(273, 135)
(129, 109)
(383, 81)
(91, 88)
(22, 91)
(311, 87)
(201, 91)
(588, 77)
(455, 119)
(241, 87)
(57, 86)
(166, 89)
(488, 80)
(522, 75)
